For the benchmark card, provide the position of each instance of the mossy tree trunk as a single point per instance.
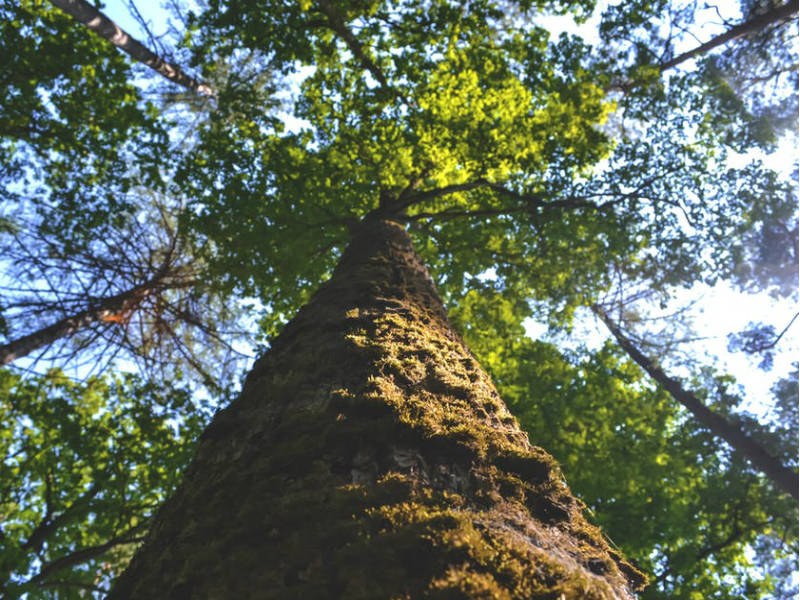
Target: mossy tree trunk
(369, 456)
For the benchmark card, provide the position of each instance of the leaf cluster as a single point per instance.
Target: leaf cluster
(71, 116)
(84, 467)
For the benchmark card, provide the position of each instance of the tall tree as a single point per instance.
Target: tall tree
(393, 470)
(785, 478)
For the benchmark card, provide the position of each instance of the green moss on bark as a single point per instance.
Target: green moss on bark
(370, 457)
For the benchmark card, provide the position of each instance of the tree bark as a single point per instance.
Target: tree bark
(779, 13)
(109, 310)
(104, 27)
(784, 478)
(369, 456)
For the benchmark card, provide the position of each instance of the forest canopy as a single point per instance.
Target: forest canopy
(165, 214)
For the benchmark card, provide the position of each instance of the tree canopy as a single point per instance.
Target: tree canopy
(537, 175)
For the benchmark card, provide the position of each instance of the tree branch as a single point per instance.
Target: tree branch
(774, 342)
(98, 22)
(533, 201)
(337, 24)
(48, 525)
(783, 477)
(778, 14)
(81, 556)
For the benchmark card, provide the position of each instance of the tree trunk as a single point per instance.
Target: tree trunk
(369, 456)
(784, 478)
(114, 309)
(779, 13)
(98, 22)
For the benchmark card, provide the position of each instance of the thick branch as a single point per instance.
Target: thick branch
(780, 13)
(786, 479)
(104, 27)
(536, 200)
(532, 201)
(421, 197)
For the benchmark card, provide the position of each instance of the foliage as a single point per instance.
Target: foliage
(84, 467)
(72, 118)
(491, 138)
(687, 510)
(467, 99)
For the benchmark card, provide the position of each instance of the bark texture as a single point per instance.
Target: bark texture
(370, 457)
(783, 477)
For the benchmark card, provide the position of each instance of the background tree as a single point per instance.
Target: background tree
(783, 477)
(138, 289)
(98, 22)
(749, 67)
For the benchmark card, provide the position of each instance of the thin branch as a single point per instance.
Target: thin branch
(82, 555)
(338, 26)
(57, 583)
(49, 525)
(710, 550)
(780, 335)
(144, 25)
